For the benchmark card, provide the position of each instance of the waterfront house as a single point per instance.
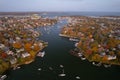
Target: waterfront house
(111, 57)
(13, 60)
(10, 52)
(24, 55)
(2, 46)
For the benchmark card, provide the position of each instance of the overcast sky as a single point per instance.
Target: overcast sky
(60, 5)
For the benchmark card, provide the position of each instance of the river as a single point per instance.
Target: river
(57, 53)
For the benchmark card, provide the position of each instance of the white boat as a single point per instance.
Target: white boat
(83, 58)
(76, 44)
(41, 54)
(99, 64)
(61, 66)
(18, 67)
(50, 68)
(93, 63)
(3, 77)
(107, 65)
(96, 64)
(39, 69)
(72, 39)
(80, 54)
(77, 77)
(62, 74)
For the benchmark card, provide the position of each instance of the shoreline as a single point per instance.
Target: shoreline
(103, 62)
(97, 42)
(111, 63)
(19, 45)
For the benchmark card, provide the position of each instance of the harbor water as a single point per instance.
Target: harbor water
(57, 58)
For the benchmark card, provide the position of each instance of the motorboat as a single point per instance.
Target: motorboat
(107, 65)
(83, 58)
(80, 54)
(62, 74)
(50, 68)
(73, 39)
(2, 77)
(77, 77)
(39, 69)
(61, 66)
(96, 63)
(41, 54)
(18, 67)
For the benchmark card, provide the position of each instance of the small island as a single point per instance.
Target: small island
(18, 39)
(97, 38)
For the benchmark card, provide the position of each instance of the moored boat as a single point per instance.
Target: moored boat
(83, 58)
(39, 69)
(62, 74)
(107, 65)
(2, 77)
(77, 77)
(18, 67)
(73, 39)
(97, 63)
(41, 54)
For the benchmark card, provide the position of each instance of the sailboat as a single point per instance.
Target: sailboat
(62, 74)
(77, 77)
(39, 69)
(61, 66)
(41, 54)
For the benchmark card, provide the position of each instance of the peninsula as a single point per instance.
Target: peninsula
(97, 38)
(18, 39)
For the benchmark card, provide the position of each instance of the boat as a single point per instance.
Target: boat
(99, 64)
(39, 69)
(18, 67)
(73, 39)
(93, 63)
(80, 54)
(41, 54)
(50, 68)
(76, 44)
(83, 58)
(3, 77)
(96, 63)
(61, 66)
(107, 65)
(62, 74)
(77, 77)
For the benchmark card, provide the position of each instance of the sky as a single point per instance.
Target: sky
(60, 5)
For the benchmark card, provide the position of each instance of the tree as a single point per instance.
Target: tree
(27, 46)
(105, 58)
(96, 57)
(36, 47)
(17, 45)
(95, 49)
(89, 52)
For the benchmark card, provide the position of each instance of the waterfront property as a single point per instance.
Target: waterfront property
(99, 38)
(18, 44)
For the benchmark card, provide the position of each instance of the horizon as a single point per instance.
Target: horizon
(60, 6)
(57, 11)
